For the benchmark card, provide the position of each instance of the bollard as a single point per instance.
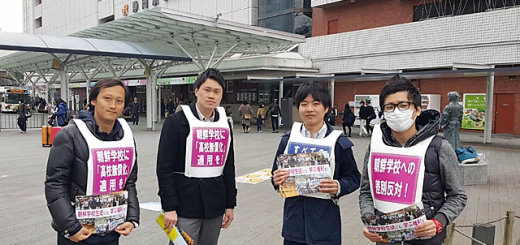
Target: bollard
(450, 233)
(484, 233)
(508, 231)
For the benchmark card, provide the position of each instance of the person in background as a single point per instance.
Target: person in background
(22, 115)
(363, 115)
(62, 112)
(330, 117)
(246, 114)
(275, 112)
(136, 109)
(371, 116)
(260, 117)
(170, 107)
(348, 120)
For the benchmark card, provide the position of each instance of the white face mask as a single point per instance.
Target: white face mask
(398, 120)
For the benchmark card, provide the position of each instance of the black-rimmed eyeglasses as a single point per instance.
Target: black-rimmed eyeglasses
(403, 106)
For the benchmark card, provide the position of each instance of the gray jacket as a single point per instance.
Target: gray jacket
(22, 110)
(444, 196)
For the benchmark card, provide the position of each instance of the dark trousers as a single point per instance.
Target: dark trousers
(287, 242)
(135, 119)
(22, 123)
(369, 128)
(349, 130)
(274, 122)
(64, 241)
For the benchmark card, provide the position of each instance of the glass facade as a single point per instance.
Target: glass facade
(294, 16)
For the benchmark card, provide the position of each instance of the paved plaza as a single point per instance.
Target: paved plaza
(258, 216)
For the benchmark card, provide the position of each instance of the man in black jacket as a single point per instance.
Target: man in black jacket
(72, 156)
(371, 115)
(136, 109)
(363, 115)
(275, 112)
(198, 190)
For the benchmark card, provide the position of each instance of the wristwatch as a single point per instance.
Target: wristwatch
(438, 225)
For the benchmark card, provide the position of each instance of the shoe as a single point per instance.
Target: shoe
(276, 131)
(349, 135)
(260, 131)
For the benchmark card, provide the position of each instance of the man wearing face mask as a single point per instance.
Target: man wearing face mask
(406, 152)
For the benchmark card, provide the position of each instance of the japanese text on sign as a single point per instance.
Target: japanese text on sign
(111, 169)
(309, 170)
(395, 177)
(96, 213)
(301, 148)
(209, 147)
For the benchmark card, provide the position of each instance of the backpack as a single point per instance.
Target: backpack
(467, 155)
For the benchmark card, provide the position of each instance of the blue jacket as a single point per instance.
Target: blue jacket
(61, 114)
(318, 221)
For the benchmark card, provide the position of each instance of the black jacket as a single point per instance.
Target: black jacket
(136, 108)
(67, 174)
(363, 112)
(199, 198)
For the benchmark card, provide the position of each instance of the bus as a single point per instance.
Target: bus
(9, 97)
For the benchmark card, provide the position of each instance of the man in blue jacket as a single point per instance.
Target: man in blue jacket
(312, 220)
(61, 112)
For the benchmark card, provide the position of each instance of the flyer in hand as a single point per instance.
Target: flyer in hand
(102, 214)
(396, 226)
(306, 172)
(176, 235)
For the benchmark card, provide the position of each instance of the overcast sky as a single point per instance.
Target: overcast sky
(11, 15)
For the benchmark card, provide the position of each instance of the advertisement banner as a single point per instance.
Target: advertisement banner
(474, 111)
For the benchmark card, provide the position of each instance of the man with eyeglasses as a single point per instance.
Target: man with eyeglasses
(408, 166)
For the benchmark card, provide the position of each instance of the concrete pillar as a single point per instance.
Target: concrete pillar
(280, 96)
(87, 88)
(489, 107)
(64, 85)
(149, 124)
(154, 100)
(332, 93)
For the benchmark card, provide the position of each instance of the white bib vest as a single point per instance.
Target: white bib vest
(110, 162)
(396, 174)
(298, 144)
(207, 145)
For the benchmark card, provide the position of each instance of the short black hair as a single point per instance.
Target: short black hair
(107, 83)
(397, 84)
(210, 73)
(21, 100)
(318, 91)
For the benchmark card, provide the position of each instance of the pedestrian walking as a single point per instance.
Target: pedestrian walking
(348, 120)
(246, 115)
(136, 109)
(23, 112)
(276, 114)
(260, 117)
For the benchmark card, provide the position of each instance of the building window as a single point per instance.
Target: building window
(294, 16)
(333, 27)
(38, 23)
(454, 8)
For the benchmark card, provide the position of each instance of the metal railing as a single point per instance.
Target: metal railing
(10, 120)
